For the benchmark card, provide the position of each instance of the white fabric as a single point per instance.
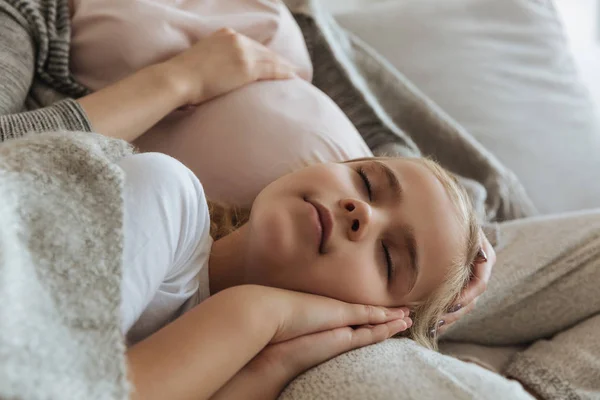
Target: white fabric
(503, 70)
(167, 242)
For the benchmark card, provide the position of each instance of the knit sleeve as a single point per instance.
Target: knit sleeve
(16, 75)
(66, 115)
(16, 63)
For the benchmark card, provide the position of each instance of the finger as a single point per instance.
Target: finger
(275, 68)
(322, 346)
(224, 31)
(305, 313)
(267, 55)
(483, 271)
(450, 318)
(356, 314)
(365, 336)
(478, 283)
(363, 326)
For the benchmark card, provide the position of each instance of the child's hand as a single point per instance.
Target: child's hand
(302, 314)
(222, 62)
(273, 368)
(291, 358)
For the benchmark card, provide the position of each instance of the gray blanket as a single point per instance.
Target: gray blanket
(60, 268)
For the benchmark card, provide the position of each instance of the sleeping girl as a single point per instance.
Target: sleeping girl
(388, 232)
(235, 303)
(227, 303)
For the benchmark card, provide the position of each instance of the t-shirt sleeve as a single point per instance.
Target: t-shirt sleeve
(167, 241)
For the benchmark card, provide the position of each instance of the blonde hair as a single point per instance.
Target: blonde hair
(225, 219)
(427, 314)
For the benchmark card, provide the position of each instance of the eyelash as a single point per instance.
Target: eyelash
(386, 252)
(388, 260)
(367, 182)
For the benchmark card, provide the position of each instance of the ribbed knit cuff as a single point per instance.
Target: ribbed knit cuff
(73, 115)
(66, 115)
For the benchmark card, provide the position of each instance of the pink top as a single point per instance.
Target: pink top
(113, 38)
(240, 142)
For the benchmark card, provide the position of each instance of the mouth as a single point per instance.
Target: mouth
(325, 220)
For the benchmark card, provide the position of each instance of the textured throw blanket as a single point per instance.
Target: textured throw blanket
(60, 268)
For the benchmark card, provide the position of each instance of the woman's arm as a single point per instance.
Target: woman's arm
(126, 109)
(197, 354)
(123, 110)
(218, 64)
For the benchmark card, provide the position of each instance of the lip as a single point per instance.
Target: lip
(326, 222)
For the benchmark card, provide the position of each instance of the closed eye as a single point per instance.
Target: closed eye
(388, 260)
(367, 182)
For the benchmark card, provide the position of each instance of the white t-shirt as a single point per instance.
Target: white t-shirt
(166, 243)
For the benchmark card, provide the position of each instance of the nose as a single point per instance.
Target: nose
(357, 215)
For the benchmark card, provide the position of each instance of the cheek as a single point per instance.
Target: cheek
(350, 277)
(277, 249)
(269, 236)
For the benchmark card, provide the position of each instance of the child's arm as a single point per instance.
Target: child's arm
(198, 353)
(265, 377)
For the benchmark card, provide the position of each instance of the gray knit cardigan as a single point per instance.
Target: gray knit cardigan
(34, 70)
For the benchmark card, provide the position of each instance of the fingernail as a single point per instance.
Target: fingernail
(455, 308)
(441, 323)
(481, 255)
(408, 322)
(432, 332)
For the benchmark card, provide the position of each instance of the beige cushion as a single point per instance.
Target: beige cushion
(502, 69)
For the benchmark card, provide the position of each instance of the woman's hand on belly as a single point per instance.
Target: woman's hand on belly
(214, 66)
(223, 62)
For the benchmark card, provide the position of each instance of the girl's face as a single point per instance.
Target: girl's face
(375, 231)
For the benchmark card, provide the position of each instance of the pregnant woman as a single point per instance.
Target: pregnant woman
(531, 295)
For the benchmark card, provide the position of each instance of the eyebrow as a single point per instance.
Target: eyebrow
(392, 179)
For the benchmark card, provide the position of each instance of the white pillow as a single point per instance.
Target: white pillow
(502, 69)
